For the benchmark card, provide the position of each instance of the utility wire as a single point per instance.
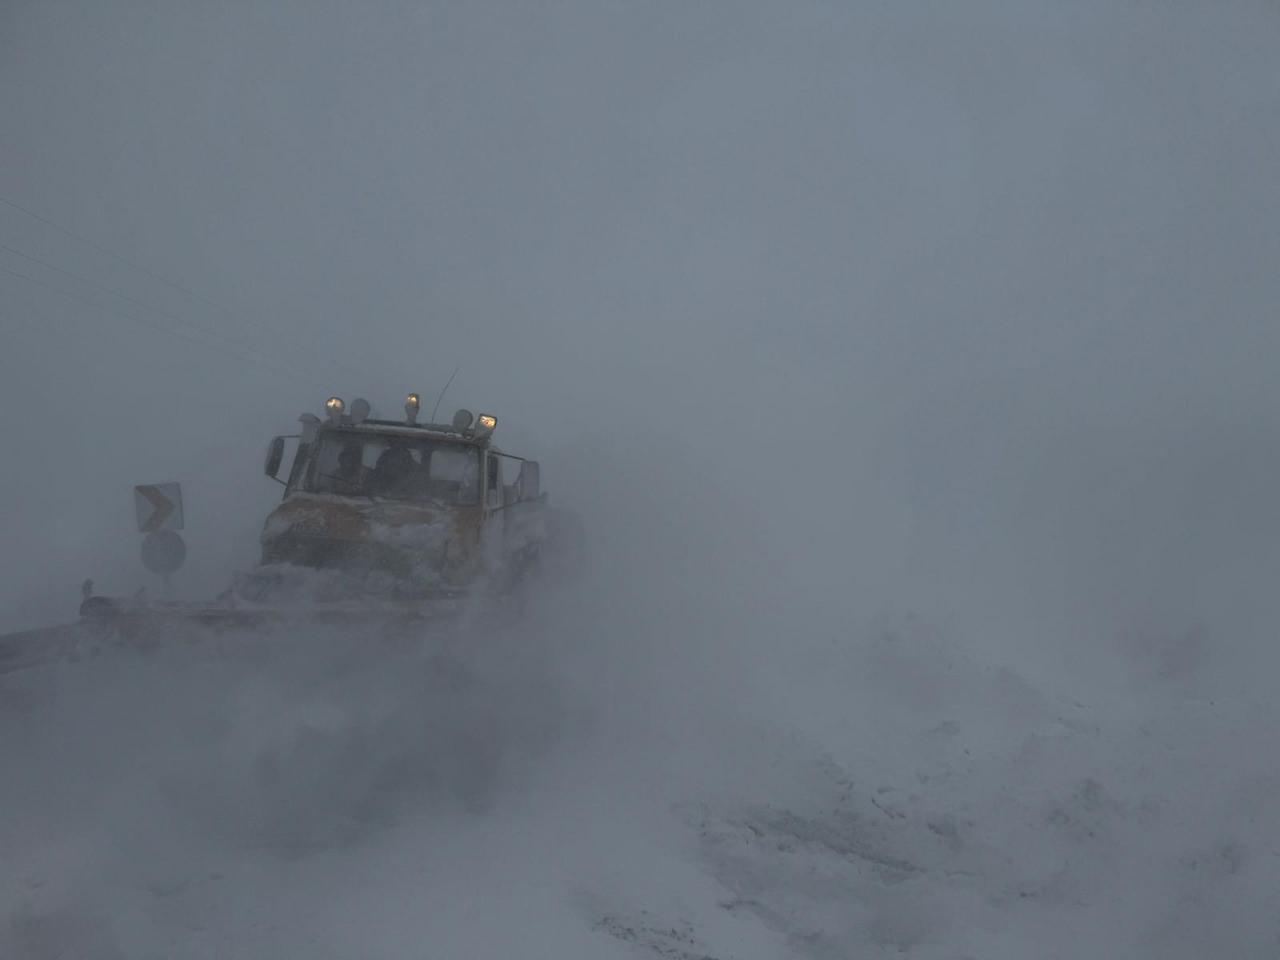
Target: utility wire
(41, 322)
(181, 334)
(107, 251)
(115, 293)
(118, 257)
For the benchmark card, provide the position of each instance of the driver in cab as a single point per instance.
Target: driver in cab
(395, 472)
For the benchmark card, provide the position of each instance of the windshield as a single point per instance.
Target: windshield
(395, 468)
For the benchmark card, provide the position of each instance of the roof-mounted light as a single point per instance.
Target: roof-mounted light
(334, 408)
(359, 410)
(412, 404)
(463, 419)
(485, 424)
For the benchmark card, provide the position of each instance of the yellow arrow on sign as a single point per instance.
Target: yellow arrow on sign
(163, 507)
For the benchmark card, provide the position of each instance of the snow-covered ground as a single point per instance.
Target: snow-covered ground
(531, 790)
(911, 365)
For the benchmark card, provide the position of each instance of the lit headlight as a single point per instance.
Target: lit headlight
(334, 407)
(412, 403)
(485, 423)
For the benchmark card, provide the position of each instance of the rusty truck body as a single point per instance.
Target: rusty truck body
(420, 510)
(378, 518)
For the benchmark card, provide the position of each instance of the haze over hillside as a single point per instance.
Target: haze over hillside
(910, 367)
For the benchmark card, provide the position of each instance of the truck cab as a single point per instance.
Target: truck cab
(426, 508)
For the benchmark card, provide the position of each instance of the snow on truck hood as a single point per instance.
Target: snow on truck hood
(422, 541)
(393, 522)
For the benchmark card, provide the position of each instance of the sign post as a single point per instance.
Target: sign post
(159, 509)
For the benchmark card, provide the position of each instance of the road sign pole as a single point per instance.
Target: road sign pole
(159, 509)
(163, 552)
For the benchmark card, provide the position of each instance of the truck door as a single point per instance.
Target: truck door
(491, 538)
(493, 482)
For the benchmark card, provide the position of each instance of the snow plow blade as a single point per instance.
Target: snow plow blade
(33, 648)
(111, 623)
(106, 623)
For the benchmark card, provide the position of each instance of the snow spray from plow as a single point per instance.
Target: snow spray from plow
(383, 523)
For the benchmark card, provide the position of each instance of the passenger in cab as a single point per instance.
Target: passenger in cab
(395, 473)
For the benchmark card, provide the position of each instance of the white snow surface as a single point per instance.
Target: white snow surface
(912, 366)
(556, 788)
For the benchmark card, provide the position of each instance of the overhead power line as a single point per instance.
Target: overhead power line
(105, 289)
(163, 328)
(118, 257)
(172, 284)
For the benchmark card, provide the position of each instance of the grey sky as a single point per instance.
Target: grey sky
(1003, 276)
(912, 366)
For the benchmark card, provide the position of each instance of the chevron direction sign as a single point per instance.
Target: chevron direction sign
(159, 507)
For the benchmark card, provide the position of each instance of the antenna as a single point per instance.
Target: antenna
(442, 392)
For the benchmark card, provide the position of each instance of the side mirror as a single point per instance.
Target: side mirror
(528, 482)
(275, 453)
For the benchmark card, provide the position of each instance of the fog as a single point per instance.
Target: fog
(910, 367)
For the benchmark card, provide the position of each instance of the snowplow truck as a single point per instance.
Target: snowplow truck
(407, 511)
(392, 518)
